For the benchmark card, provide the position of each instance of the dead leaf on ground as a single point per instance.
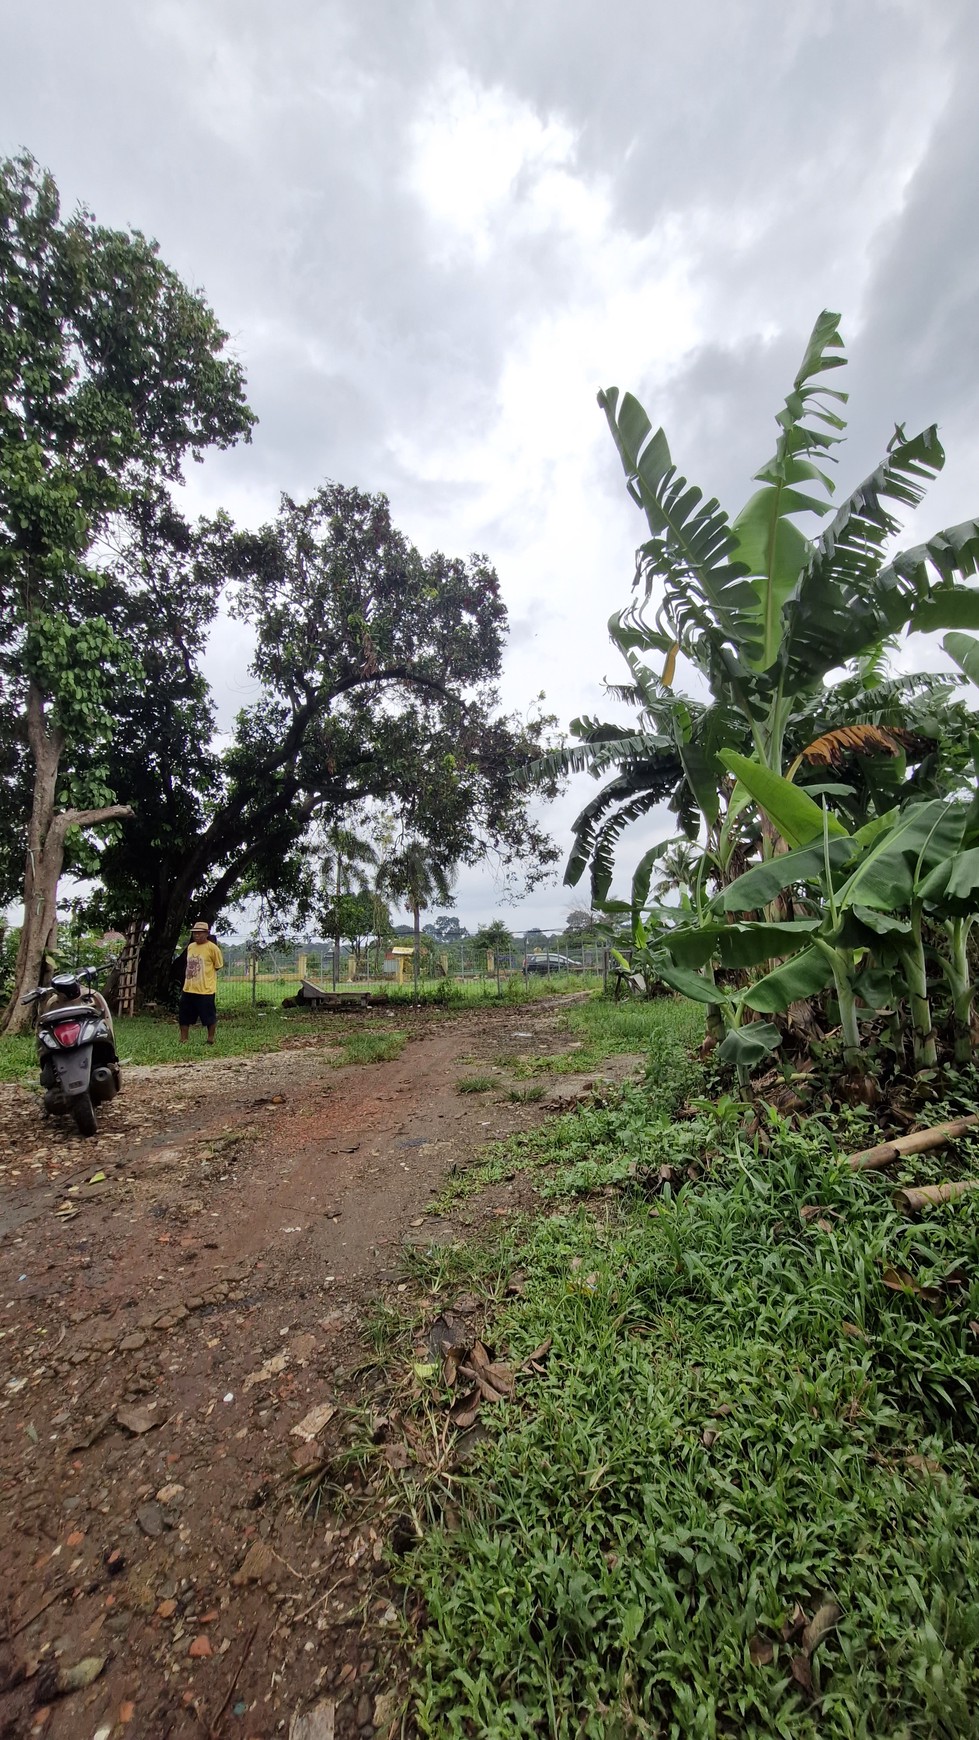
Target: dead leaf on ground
(485, 1388)
(539, 1353)
(762, 1652)
(802, 1673)
(793, 1626)
(397, 1456)
(139, 1419)
(853, 1330)
(464, 1410)
(823, 1621)
(708, 1439)
(924, 1465)
(258, 1565)
(319, 1723)
(813, 1210)
(900, 1281)
(272, 1368)
(313, 1423)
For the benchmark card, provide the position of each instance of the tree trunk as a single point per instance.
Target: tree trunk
(960, 981)
(45, 858)
(925, 1047)
(417, 916)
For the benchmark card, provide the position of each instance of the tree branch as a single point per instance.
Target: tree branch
(87, 818)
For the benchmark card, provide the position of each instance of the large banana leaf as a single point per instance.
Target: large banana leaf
(697, 533)
(771, 546)
(737, 945)
(886, 874)
(747, 1047)
(844, 601)
(643, 873)
(952, 887)
(805, 975)
(965, 651)
(764, 882)
(798, 818)
(693, 985)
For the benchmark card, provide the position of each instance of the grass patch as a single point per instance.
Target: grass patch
(737, 1416)
(152, 1039)
(476, 1084)
(634, 1125)
(146, 1039)
(366, 1046)
(663, 1030)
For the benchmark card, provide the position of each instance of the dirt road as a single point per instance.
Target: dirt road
(177, 1296)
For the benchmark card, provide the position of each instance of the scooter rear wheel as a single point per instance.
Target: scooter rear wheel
(83, 1112)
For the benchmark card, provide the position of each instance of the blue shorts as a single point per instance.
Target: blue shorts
(194, 1007)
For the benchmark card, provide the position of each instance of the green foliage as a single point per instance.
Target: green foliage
(737, 1416)
(494, 936)
(766, 612)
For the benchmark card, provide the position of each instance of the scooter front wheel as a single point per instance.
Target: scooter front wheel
(83, 1112)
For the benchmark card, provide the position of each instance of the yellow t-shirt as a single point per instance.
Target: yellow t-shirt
(203, 961)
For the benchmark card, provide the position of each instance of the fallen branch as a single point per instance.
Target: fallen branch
(919, 1142)
(214, 1729)
(915, 1201)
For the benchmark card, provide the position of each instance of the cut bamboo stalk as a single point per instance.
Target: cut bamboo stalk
(914, 1200)
(919, 1142)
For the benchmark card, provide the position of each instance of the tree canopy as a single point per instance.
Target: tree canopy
(377, 669)
(111, 372)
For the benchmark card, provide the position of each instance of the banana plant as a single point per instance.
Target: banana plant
(764, 611)
(872, 887)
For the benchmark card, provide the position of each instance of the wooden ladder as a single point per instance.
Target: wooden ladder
(127, 970)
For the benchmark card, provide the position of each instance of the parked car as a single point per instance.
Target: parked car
(550, 963)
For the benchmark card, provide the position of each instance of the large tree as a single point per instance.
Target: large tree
(377, 669)
(111, 372)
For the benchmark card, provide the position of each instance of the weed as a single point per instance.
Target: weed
(475, 1084)
(365, 1046)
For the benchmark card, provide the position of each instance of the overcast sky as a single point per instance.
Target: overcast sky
(435, 228)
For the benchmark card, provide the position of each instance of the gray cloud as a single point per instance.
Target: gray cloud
(434, 231)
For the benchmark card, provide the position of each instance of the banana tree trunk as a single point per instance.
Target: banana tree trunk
(925, 1049)
(960, 982)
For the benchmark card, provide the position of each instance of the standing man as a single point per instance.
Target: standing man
(198, 998)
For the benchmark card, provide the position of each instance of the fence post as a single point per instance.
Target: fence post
(254, 977)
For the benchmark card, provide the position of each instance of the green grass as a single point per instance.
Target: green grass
(476, 1084)
(154, 1039)
(613, 1561)
(666, 1026)
(362, 1046)
(626, 1130)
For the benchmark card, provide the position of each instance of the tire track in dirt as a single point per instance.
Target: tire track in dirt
(220, 1281)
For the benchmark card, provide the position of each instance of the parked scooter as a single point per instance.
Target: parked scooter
(76, 1047)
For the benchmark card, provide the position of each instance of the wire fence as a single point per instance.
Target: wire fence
(270, 977)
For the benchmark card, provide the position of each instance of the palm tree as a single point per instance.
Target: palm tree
(413, 876)
(344, 860)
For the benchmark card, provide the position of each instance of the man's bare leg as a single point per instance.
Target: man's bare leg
(210, 1034)
(183, 1035)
